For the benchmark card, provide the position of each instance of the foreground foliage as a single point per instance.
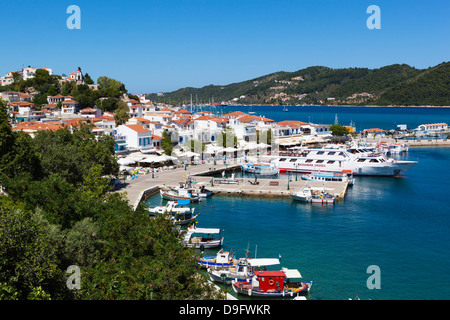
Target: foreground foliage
(59, 212)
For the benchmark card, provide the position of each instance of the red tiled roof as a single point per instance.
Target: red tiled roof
(155, 137)
(138, 128)
(292, 123)
(374, 130)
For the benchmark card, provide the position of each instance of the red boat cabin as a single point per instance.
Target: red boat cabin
(270, 280)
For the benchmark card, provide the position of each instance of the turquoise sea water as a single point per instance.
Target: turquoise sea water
(400, 225)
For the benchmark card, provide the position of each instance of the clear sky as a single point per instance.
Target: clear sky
(159, 46)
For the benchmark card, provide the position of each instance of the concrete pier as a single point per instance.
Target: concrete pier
(146, 185)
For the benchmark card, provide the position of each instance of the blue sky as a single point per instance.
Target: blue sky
(164, 45)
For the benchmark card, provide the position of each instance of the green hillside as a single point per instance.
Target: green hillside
(390, 85)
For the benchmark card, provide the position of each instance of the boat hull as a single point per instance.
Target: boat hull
(173, 197)
(204, 244)
(227, 278)
(245, 288)
(395, 169)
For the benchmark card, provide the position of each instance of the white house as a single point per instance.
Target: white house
(207, 129)
(136, 136)
(106, 122)
(433, 127)
(69, 106)
(159, 117)
(28, 73)
(136, 110)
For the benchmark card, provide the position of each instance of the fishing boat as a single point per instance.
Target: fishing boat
(183, 219)
(200, 191)
(285, 109)
(178, 194)
(314, 195)
(222, 260)
(357, 161)
(202, 238)
(328, 176)
(273, 284)
(172, 208)
(242, 270)
(392, 148)
(178, 215)
(263, 169)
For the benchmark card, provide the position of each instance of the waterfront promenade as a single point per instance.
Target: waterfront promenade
(135, 188)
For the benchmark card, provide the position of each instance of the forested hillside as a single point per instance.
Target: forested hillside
(390, 85)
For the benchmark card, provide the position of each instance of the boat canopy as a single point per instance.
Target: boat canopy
(263, 262)
(292, 273)
(205, 230)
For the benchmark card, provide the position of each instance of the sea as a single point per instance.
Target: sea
(388, 240)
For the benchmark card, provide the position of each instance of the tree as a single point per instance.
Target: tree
(338, 130)
(28, 263)
(227, 139)
(17, 152)
(88, 79)
(110, 87)
(166, 144)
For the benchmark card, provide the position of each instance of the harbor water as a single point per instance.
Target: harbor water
(400, 225)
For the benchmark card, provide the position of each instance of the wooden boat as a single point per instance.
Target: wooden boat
(172, 208)
(273, 284)
(178, 215)
(242, 270)
(205, 238)
(178, 194)
(314, 195)
(221, 260)
(263, 169)
(328, 176)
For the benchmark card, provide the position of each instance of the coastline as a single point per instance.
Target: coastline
(343, 106)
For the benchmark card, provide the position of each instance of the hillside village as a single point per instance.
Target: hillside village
(147, 123)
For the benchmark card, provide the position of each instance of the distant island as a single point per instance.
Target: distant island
(394, 85)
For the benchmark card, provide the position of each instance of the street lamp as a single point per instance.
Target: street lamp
(289, 178)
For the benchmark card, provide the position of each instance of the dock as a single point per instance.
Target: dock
(272, 187)
(139, 189)
(147, 184)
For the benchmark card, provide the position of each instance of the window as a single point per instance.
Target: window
(293, 160)
(308, 161)
(374, 160)
(319, 161)
(282, 159)
(332, 153)
(361, 160)
(320, 152)
(331, 162)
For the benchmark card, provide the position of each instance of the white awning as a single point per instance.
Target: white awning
(205, 230)
(263, 262)
(292, 273)
(125, 161)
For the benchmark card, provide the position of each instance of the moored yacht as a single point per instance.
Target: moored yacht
(356, 161)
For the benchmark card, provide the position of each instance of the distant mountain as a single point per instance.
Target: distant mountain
(391, 85)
